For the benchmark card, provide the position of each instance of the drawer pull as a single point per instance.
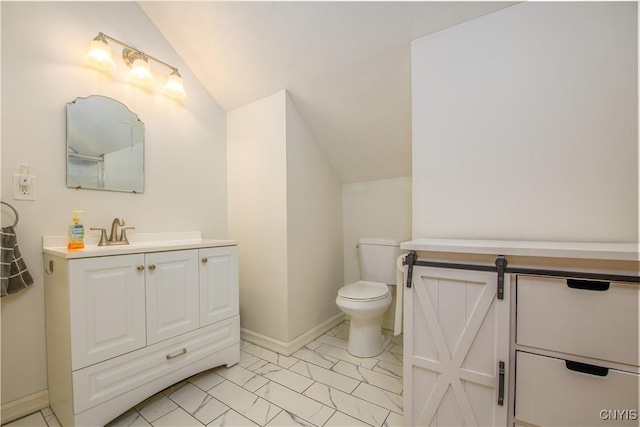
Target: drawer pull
(587, 285)
(173, 356)
(587, 369)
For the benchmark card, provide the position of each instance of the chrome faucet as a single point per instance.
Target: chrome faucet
(113, 237)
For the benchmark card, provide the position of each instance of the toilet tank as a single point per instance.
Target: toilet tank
(378, 259)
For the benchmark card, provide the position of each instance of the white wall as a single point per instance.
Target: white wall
(257, 174)
(525, 125)
(314, 214)
(43, 44)
(285, 209)
(374, 209)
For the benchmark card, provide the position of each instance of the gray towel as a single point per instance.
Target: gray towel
(15, 275)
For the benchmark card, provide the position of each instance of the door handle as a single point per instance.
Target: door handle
(501, 383)
(152, 267)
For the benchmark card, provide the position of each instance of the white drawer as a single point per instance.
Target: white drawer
(548, 393)
(599, 324)
(98, 383)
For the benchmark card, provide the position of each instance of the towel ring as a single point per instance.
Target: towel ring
(15, 212)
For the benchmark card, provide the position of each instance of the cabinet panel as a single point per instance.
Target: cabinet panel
(585, 318)
(172, 294)
(107, 299)
(218, 284)
(550, 392)
(456, 334)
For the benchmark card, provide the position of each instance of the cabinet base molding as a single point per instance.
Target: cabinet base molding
(102, 414)
(104, 391)
(288, 348)
(24, 406)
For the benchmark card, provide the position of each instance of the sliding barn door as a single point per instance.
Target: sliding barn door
(456, 349)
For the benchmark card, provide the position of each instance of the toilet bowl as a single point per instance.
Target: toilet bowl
(365, 302)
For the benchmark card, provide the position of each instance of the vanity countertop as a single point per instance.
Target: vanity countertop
(603, 251)
(138, 243)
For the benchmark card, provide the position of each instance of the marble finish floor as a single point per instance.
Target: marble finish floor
(319, 385)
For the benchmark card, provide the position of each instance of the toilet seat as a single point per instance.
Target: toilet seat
(364, 291)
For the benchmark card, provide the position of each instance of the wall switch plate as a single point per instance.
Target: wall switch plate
(24, 187)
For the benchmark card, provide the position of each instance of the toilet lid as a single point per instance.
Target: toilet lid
(364, 290)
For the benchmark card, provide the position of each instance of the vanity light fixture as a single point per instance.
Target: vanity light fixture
(140, 71)
(99, 56)
(174, 86)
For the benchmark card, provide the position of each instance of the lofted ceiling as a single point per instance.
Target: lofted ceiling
(346, 65)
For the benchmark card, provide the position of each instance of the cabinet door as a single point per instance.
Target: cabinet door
(172, 294)
(107, 308)
(456, 334)
(218, 284)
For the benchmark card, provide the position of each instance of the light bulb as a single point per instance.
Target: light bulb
(99, 55)
(174, 87)
(141, 72)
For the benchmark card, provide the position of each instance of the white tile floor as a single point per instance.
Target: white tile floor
(319, 385)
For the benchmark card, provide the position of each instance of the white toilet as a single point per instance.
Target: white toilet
(367, 300)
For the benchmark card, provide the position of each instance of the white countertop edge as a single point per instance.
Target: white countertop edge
(604, 251)
(138, 243)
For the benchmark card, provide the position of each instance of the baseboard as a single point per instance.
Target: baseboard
(288, 348)
(388, 324)
(24, 406)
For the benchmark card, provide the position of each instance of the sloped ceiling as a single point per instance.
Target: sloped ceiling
(346, 66)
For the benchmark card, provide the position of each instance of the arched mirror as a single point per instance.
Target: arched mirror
(105, 146)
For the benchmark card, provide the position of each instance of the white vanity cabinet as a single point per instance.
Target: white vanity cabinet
(126, 322)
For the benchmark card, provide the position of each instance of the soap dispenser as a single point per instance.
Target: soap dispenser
(76, 232)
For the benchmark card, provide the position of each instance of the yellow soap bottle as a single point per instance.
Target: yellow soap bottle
(76, 233)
